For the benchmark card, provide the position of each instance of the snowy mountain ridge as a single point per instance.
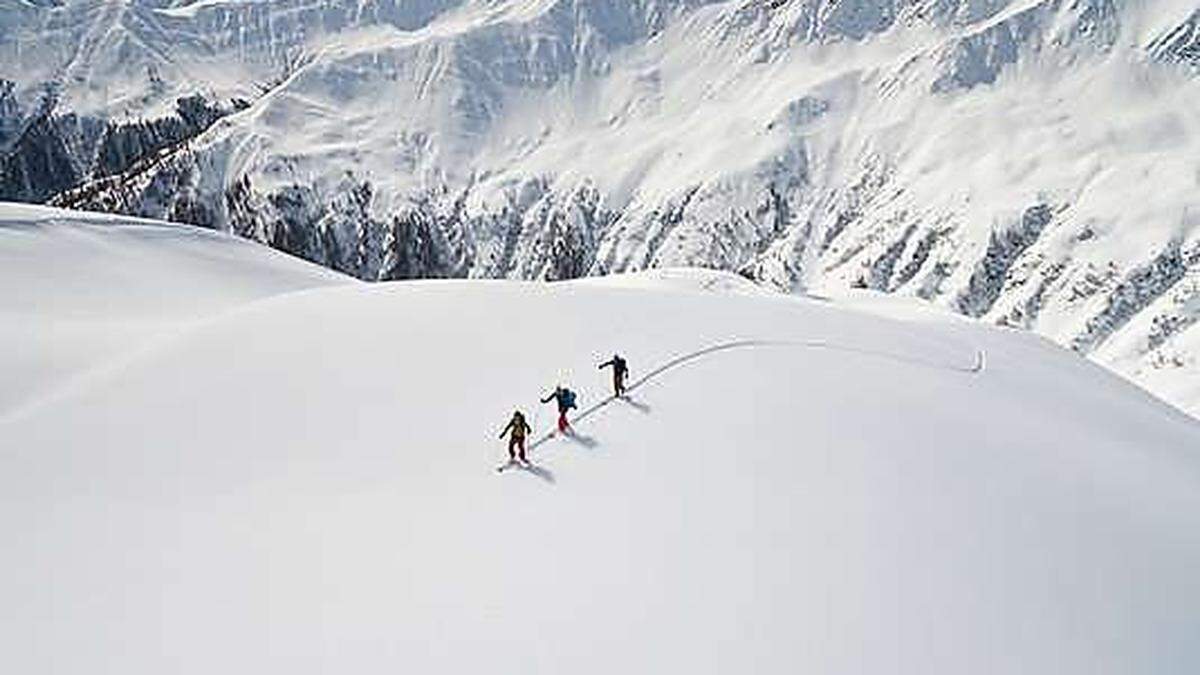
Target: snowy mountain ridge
(1031, 163)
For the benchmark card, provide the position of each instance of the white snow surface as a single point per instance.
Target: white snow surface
(83, 290)
(303, 481)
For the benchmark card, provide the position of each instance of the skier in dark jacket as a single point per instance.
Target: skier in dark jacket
(620, 373)
(565, 398)
(519, 429)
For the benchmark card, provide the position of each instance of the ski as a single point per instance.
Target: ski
(513, 465)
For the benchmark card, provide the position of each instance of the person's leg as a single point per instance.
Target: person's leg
(513, 441)
(521, 449)
(562, 421)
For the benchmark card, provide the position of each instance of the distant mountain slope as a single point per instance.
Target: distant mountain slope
(306, 484)
(1029, 162)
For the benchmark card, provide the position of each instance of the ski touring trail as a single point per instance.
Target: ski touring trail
(974, 368)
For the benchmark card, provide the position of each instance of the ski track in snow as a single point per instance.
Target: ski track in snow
(974, 369)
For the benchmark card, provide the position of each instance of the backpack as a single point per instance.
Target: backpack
(568, 398)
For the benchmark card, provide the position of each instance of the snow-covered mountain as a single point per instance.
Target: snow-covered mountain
(288, 471)
(1032, 163)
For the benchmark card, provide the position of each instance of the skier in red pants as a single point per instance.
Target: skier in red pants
(565, 398)
(520, 429)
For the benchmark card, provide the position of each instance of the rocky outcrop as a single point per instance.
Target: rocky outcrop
(48, 156)
(1180, 44)
(53, 151)
(992, 272)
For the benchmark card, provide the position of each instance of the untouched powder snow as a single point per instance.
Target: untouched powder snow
(305, 483)
(82, 288)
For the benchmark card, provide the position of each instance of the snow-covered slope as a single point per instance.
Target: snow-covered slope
(82, 290)
(305, 484)
(1030, 162)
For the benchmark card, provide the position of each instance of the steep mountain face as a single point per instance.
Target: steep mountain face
(49, 152)
(1031, 163)
(1181, 44)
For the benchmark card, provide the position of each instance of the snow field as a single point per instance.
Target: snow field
(303, 482)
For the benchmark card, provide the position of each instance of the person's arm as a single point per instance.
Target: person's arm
(607, 364)
(506, 429)
(548, 398)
